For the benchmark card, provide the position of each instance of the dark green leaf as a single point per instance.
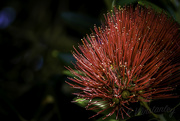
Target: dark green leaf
(100, 104)
(167, 117)
(122, 2)
(68, 73)
(172, 8)
(109, 4)
(149, 4)
(110, 118)
(82, 102)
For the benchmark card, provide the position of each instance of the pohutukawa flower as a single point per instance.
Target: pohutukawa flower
(132, 57)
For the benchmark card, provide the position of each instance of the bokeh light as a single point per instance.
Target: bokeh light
(7, 16)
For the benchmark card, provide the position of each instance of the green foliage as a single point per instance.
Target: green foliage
(171, 7)
(100, 105)
(169, 116)
(149, 4)
(111, 118)
(68, 73)
(83, 103)
(123, 2)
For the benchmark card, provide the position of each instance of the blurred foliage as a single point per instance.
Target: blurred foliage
(36, 39)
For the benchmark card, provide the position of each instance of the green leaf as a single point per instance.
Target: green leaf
(122, 2)
(110, 118)
(171, 7)
(145, 104)
(83, 102)
(108, 4)
(139, 111)
(169, 116)
(68, 73)
(149, 4)
(99, 104)
(177, 14)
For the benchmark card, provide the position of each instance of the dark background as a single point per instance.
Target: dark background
(36, 39)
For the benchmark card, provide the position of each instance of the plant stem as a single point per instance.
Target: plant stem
(148, 108)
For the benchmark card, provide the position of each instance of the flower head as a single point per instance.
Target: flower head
(131, 58)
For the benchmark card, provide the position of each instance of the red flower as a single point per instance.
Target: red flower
(131, 58)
